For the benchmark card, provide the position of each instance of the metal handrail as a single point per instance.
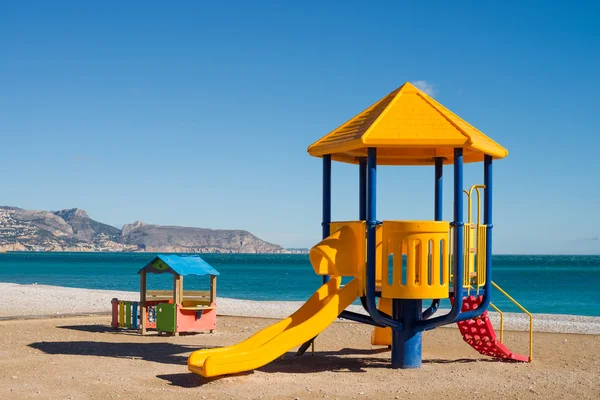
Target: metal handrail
(501, 321)
(474, 242)
(522, 309)
(469, 193)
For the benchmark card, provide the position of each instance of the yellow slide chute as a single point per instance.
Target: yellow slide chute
(321, 309)
(338, 255)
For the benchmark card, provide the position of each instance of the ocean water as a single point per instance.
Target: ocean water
(542, 284)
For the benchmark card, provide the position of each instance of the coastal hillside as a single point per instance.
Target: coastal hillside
(87, 229)
(198, 240)
(74, 230)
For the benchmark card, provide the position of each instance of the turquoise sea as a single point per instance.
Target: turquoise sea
(543, 284)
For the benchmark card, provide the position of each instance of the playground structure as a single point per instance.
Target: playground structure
(399, 263)
(173, 311)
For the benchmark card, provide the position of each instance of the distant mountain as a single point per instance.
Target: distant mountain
(87, 229)
(74, 230)
(197, 240)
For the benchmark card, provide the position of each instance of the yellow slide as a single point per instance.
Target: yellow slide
(321, 309)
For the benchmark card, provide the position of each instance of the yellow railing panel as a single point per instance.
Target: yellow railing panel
(474, 244)
(424, 243)
(481, 255)
(468, 256)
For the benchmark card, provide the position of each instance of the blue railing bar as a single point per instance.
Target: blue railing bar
(439, 188)
(431, 310)
(364, 319)
(326, 201)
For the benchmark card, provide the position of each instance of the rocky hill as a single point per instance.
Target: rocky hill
(87, 229)
(74, 230)
(180, 239)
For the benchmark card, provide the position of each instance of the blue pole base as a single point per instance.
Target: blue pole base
(407, 345)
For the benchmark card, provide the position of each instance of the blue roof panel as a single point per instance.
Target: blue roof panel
(179, 264)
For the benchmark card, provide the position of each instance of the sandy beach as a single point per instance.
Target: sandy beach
(48, 354)
(34, 301)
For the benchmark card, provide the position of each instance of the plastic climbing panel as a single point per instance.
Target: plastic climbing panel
(479, 333)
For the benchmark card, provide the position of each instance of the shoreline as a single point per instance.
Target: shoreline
(88, 251)
(292, 251)
(44, 301)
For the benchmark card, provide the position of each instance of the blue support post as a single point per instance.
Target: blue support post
(362, 216)
(326, 201)
(372, 243)
(458, 224)
(362, 189)
(487, 220)
(407, 344)
(439, 187)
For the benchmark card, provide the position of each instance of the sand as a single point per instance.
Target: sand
(81, 357)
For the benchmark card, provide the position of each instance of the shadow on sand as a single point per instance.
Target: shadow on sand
(98, 328)
(456, 361)
(164, 353)
(291, 363)
(93, 328)
(344, 360)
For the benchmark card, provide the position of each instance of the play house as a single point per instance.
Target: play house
(171, 311)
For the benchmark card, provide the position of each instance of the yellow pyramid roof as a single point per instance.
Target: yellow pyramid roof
(407, 127)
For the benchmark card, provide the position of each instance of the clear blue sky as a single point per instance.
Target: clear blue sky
(199, 113)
